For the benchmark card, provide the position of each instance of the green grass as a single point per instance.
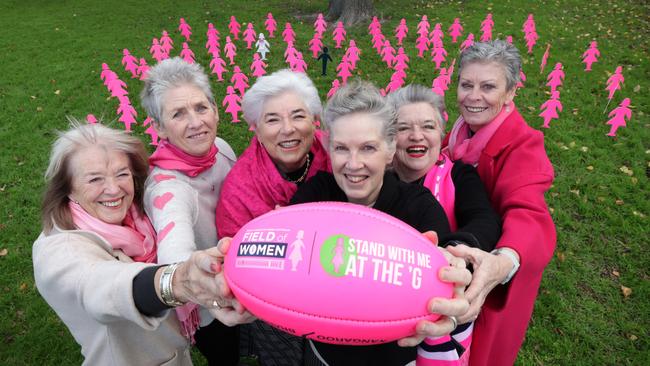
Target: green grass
(51, 59)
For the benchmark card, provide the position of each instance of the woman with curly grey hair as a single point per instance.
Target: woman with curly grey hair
(512, 163)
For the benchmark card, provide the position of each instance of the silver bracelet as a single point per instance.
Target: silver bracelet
(166, 290)
(515, 262)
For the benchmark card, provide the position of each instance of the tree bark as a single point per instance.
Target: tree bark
(349, 12)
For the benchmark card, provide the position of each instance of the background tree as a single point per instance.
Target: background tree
(350, 12)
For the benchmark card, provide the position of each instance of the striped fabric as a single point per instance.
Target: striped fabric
(449, 350)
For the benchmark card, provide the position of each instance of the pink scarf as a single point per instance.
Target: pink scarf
(438, 180)
(168, 156)
(135, 237)
(468, 149)
(254, 186)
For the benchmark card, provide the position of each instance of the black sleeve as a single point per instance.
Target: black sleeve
(428, 214)
(144, 293)
(473, 210)
(320, 187)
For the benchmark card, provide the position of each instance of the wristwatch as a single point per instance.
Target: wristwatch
(515, 262)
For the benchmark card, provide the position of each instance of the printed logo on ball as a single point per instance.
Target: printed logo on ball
(263, 248)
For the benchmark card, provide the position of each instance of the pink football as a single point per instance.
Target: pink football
(336, 273)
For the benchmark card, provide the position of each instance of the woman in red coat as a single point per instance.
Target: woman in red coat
(512, 163)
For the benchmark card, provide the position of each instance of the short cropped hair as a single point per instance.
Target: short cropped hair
(59, 173)
(272, 85)
(362, 97)
(416, 93)
(169, 74)
(497, 51)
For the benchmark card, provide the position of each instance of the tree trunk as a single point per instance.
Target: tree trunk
(350, 12)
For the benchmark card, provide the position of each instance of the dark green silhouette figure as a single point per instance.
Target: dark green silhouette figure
(325, 56)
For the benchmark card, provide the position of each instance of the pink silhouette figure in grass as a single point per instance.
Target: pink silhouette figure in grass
(232, 103)
(401, 59)
(231, 50)
(378, 40)
(422, 45)
(438, 56)
(143, 68)
(455, 30)
(336, 84)
(296, 247)
(91, 119)
(396, 82)
(234, 27)
(316, 45)
(218, 67)
(486, 28)
(157, 51)
(249, 36)
(522, 79)
(468, 42)
(117, 87)
(374, 26)
(436, 34)
(388, 54)
(213, 35)
(214, 50)
(290, 54)
(151, 131)
(127, 113)
(299, 64)
(271, 25)
(185, 29)
(353, 53)
(531, 40)
(320, 25)
(187, 54)
(590, 55)
(239, 80)
(107, 75)
(166, 42)
(509, 40)
(555, 77)
(423, 26)
(288, 34)
(339, 34)
(130, 63)
(262, 46)
(344, 70)
(542, 65)
(529, 24)
(337, 258)
(258, 67)
(620, 114)
(401, 31)
(440, 83)
(550, 109)
(614, 82)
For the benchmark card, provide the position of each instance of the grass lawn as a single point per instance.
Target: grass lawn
(51, 60)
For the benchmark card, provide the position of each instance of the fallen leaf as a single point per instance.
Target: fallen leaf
(590, 168)
(23, 286)
(39, 109)
(3, 252)
(616, 273)
(637, 88)
(584, 149)
(575, 191)
(561, 256)
(626, 291)
(626, 170)
(572, 144)
(637, 213)
(634, 180)
(57, 92)
(632, 337)
(551, 209)
(32, 96)
(600, 199)
(619, 202)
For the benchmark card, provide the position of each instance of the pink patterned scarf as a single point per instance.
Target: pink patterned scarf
(468, 148)
(439, 181)
(170, 157)
(135, 237)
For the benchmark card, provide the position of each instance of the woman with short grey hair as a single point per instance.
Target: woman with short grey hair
(188, 168)
(512, 163)
(283, 109)
(362, 144)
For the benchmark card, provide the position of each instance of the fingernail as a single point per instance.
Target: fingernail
(214, 267)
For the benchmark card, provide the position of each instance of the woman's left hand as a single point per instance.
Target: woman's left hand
(489, 271)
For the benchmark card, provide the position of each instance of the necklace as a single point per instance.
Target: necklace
(304, 174)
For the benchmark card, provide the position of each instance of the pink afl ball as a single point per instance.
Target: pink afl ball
(335, 272)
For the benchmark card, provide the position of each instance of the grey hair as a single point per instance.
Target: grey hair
(497, 51)
(59, 173)
(272, 85)
(416, 93)
(362, 97)
(168, 74)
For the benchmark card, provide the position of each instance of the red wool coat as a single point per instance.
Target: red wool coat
(516, 172)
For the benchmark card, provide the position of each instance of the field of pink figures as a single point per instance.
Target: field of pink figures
(455, 30)
(262, 46)
(550, 109)
(422, 45)
(590, 55)
(300, 65)
(143, 68)
(187, 54)
(338, 34)
(336, 84)
(157, 51)
(440, 83)
(127, 113)
(107, 75)
(288, 34)
(388, 54)
(239, 80)
(531, 40)
(522, 79)
(555, 77)
(374, 26)
(486, 28)
(234, 27)
(249, 35)
(213, 34)
(218, 67)
(529, 25)
(378, 40)
(316, 45)
(438, 56)
(401, 31)
(620, 114)
(166, 42)
(231, 50)
(542, 65)
(467, 42)
(344, 71)
(614, 82)
(258, 67)
(271, 25)
(185, 29)
(320, 25)
(90, 118)
(232, 103)
(151, 131)
(130, 63)
(353, 53)
(401, 59)
(436, 34)
(423, 26)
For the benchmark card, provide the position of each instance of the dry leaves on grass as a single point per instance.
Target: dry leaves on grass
(626, 291)
(4, 252)
(626, 170)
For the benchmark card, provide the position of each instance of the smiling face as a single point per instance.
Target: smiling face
(102, 183)
(419, 133)
(190, 120)
(286, 130)
(482, 92)
(359, 155)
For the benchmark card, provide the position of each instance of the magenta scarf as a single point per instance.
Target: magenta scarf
(468, 149)
(168, 156)
(438, 180)
(258, 187)
(135, 237)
